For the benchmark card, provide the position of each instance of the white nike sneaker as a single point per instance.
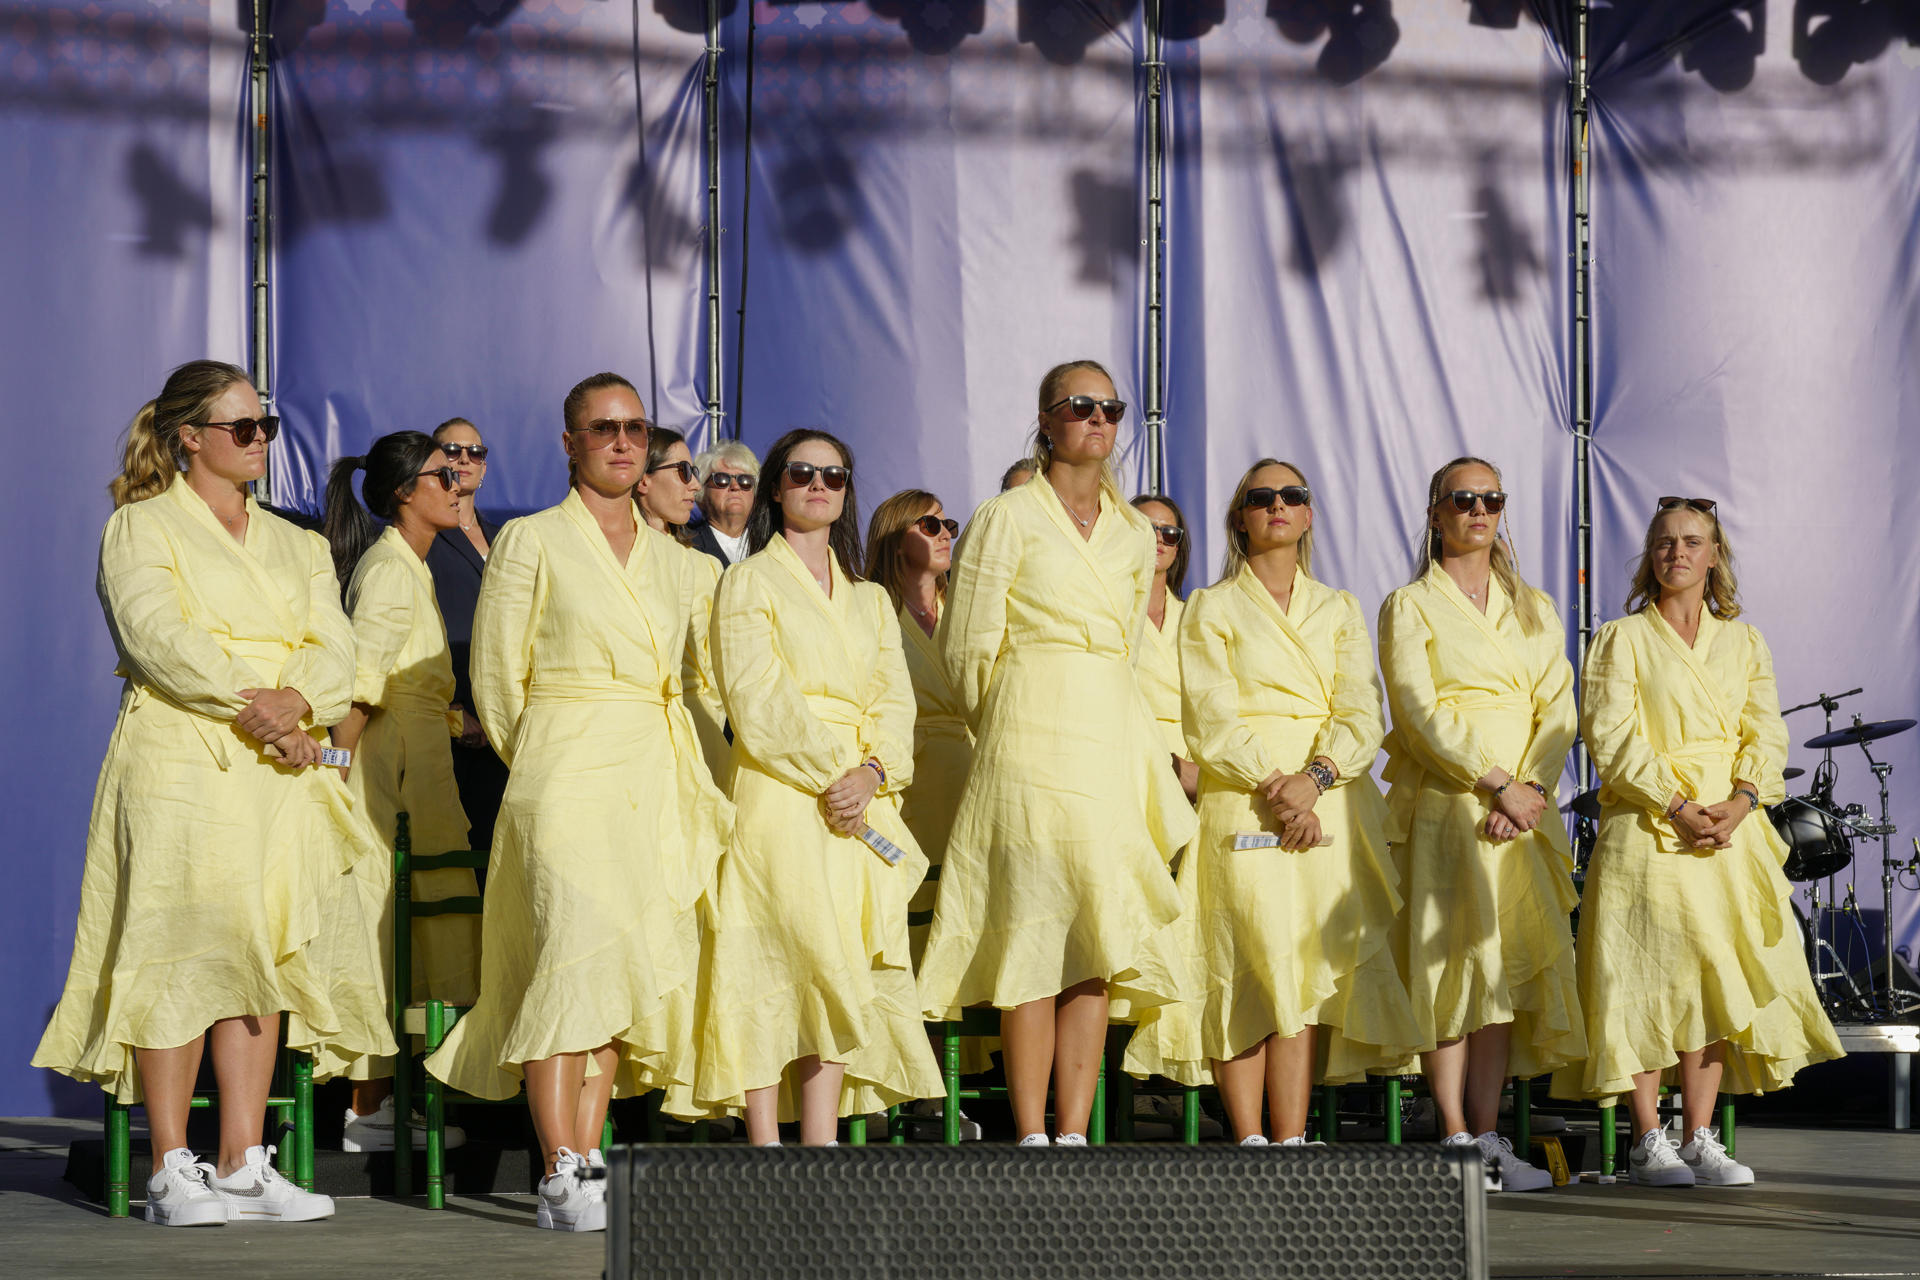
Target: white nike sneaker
(568, 1200)
(1654, 1163)
(255, 1192)
(1255, 1140)
(1070, 1140)
(1463, 1141)
(178, 1195)
(1035, 1140)
(375, 1132)
(1515, 1174)
(1711, 1165)
(1299, 1140)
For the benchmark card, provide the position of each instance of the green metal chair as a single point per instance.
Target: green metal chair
(985, 1021)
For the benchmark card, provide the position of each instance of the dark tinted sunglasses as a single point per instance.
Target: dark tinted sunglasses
(1170, 533)
(685, 470)
(478, 452)
(800, 475)
(244, 429)
(1703, 505)
(1082, 407)
(1294, 495)
(601, 431)
(1494, 500)
(932, 525)
(449, 478)
(730, 480)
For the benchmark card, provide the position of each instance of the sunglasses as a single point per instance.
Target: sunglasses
(244, 429)
(1494, 500)
(684, 469)
(478, 452)
(1082, 407)
(730, 480)
(1170, 533)
(800, 475)
(932, 525)
(1294, 495)
(1704, 506)
(449, 478)
(601, 431)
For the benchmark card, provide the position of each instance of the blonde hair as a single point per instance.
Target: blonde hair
(1723, 588)
(886, 541)
(1236, 554)
(154, 454)
(1041, 448)
(1506, 563)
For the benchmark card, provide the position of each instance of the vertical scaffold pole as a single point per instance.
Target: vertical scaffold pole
(1578, 162)
(259, 216)
(715, 411)
(1154, 242)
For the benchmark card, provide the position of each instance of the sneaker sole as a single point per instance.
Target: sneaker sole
(199, 1215)
(1675, 1178)
(313, 1213)
(592, 1218)
(351, 1147)
(1700, 1181)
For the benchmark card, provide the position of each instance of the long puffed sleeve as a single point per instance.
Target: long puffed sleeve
(769, 713)
(973, 625)
(887, 734)
(1352, 735)
(505, 619)
(321, 667)
(1556, 721)
(1610, 723)
(139, 587)
(1441, 737)
(1217, 738)
(699, 688)
(1763, 732)
(381, 604)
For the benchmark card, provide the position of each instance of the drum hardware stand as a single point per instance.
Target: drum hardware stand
(1895, 1002)
(1820, 913)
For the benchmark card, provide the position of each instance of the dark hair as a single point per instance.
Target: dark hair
(392, 464)
(1177, 571)
(659, 441)
(766, 518)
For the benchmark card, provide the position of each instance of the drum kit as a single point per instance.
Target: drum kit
(1819, 833)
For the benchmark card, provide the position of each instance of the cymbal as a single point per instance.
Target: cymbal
(1587, 804)
(1790, 773)
(1854, 735)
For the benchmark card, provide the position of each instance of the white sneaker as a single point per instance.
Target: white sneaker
(1711, 1165)
(1515, 1174)
(1035, 1140)
(375, 1132)
(1463, 1141)
(1299, 1140)
(178, 1195)
(926, 1110)
(568, 1200)
(255, 1192)
(1255, 1140)
(1070, 1140)
(1654, 1163)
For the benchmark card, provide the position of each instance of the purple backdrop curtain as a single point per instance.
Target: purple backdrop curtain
(479, 204)
(1757, 278)
(119, 135)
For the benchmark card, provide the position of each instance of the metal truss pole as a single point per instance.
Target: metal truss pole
(1579, 202)
(715, 411)
(260, 216)
(1155, 243)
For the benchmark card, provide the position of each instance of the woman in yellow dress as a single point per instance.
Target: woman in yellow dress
(1482, 699)
(809, 1010)
(1688, 956)
(667, 494)
(1055, 903)
(398, 729)
(1283, 717)
(611, 825)
(216, 896)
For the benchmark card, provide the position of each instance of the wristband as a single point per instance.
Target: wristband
(1677, 810)
(1753, 798)
(1320, 775)
(1542, 791)
(877, 767)
(1501, 789)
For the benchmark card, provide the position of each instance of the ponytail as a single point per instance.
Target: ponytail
(149, 465)
(348, 527)
(392, 464)
(154, 454)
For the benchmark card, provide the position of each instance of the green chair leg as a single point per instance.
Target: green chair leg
(702, 1132)
(896, 1128)
(657, 1123)
(436, 1112)
(1522, 1116)
(303, 1118)
(1190, 1115)
(1097, 1122)
(119, 1157)
(1392, 1110)
(950, 1071)
(1609, 1139)
(1726, 1125)
(1329, 1107)
(857, 1131)
(1123, 1089)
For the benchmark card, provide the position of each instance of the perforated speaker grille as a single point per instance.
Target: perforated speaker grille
(1368, 1212)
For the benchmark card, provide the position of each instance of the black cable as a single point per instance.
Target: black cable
(746, 198)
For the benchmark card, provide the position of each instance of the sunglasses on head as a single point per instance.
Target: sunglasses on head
(449, 478)
(800, 475)
(601, 431)
(683, 469)
(1494, 500)
(730, 480)
(1170, 533)
(1294, 495)
(244, 429)
(478, 452)
(1082, 407)
(1704, 506)
(932, 525)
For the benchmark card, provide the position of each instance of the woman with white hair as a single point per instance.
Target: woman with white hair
(728, 474)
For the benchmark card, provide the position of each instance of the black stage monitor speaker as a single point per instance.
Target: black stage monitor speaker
(1362, 1211)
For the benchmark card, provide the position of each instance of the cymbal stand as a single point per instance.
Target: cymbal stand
(1820, 792)
(1895, 1001)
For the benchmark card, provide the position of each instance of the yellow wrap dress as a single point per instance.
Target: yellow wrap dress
(1303, 939)
(1679, 947)
(942, 757)
(698, 686)
(403, 672)
(217, 882)
(807, 952)
(1486, 933)
(1056, 871)
(611, 825)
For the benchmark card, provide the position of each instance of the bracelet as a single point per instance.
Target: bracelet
(877, 767)
(1753, 797)
(1320, 775)
(1538, 788)
(1677, 810)
(1501, 789)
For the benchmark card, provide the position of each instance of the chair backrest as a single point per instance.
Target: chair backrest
(406, 864)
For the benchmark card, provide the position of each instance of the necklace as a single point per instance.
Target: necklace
(923, 614)
(1075, 514)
